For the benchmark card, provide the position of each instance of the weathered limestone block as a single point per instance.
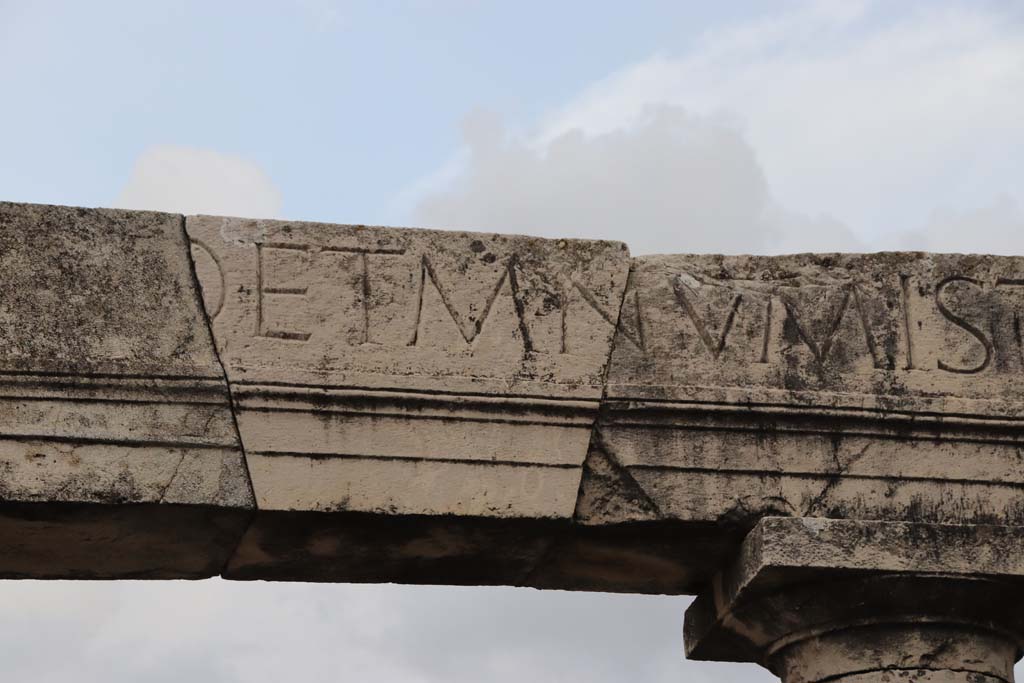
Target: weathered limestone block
(118, 452)
(446, 379)
(880, 386)
(841, 600)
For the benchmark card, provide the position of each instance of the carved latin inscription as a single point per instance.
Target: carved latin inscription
(714, 347)
(352, 306)
(963, 324)
(831, 324)
(413, 372)
(283, 270)
(886, 324)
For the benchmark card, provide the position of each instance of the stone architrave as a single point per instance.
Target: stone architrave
(406, 397)
(825, 448)
(874, 387)
(118, 452)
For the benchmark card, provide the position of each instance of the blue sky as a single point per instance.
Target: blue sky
(866, 116)
(342, 104)
(807, 125)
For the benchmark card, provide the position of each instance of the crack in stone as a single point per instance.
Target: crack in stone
(596, 437)
(174, 474)
(231, 405)
(834, 477)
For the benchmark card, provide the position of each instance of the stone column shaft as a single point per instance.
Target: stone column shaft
(919, 650)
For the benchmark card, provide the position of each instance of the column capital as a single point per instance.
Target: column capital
(839, 600)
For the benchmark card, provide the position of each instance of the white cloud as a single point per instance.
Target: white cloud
(325, 15)
(997, 228)
(672, 182)
(193, 180)
(782, 133)
(259, 632)
(862, 111)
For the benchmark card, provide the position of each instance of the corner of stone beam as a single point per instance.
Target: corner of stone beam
(842, 600)
(414, 405)
(119, 454)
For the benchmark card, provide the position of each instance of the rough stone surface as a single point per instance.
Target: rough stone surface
(882, 386)
(405, 372)
(118, 452)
